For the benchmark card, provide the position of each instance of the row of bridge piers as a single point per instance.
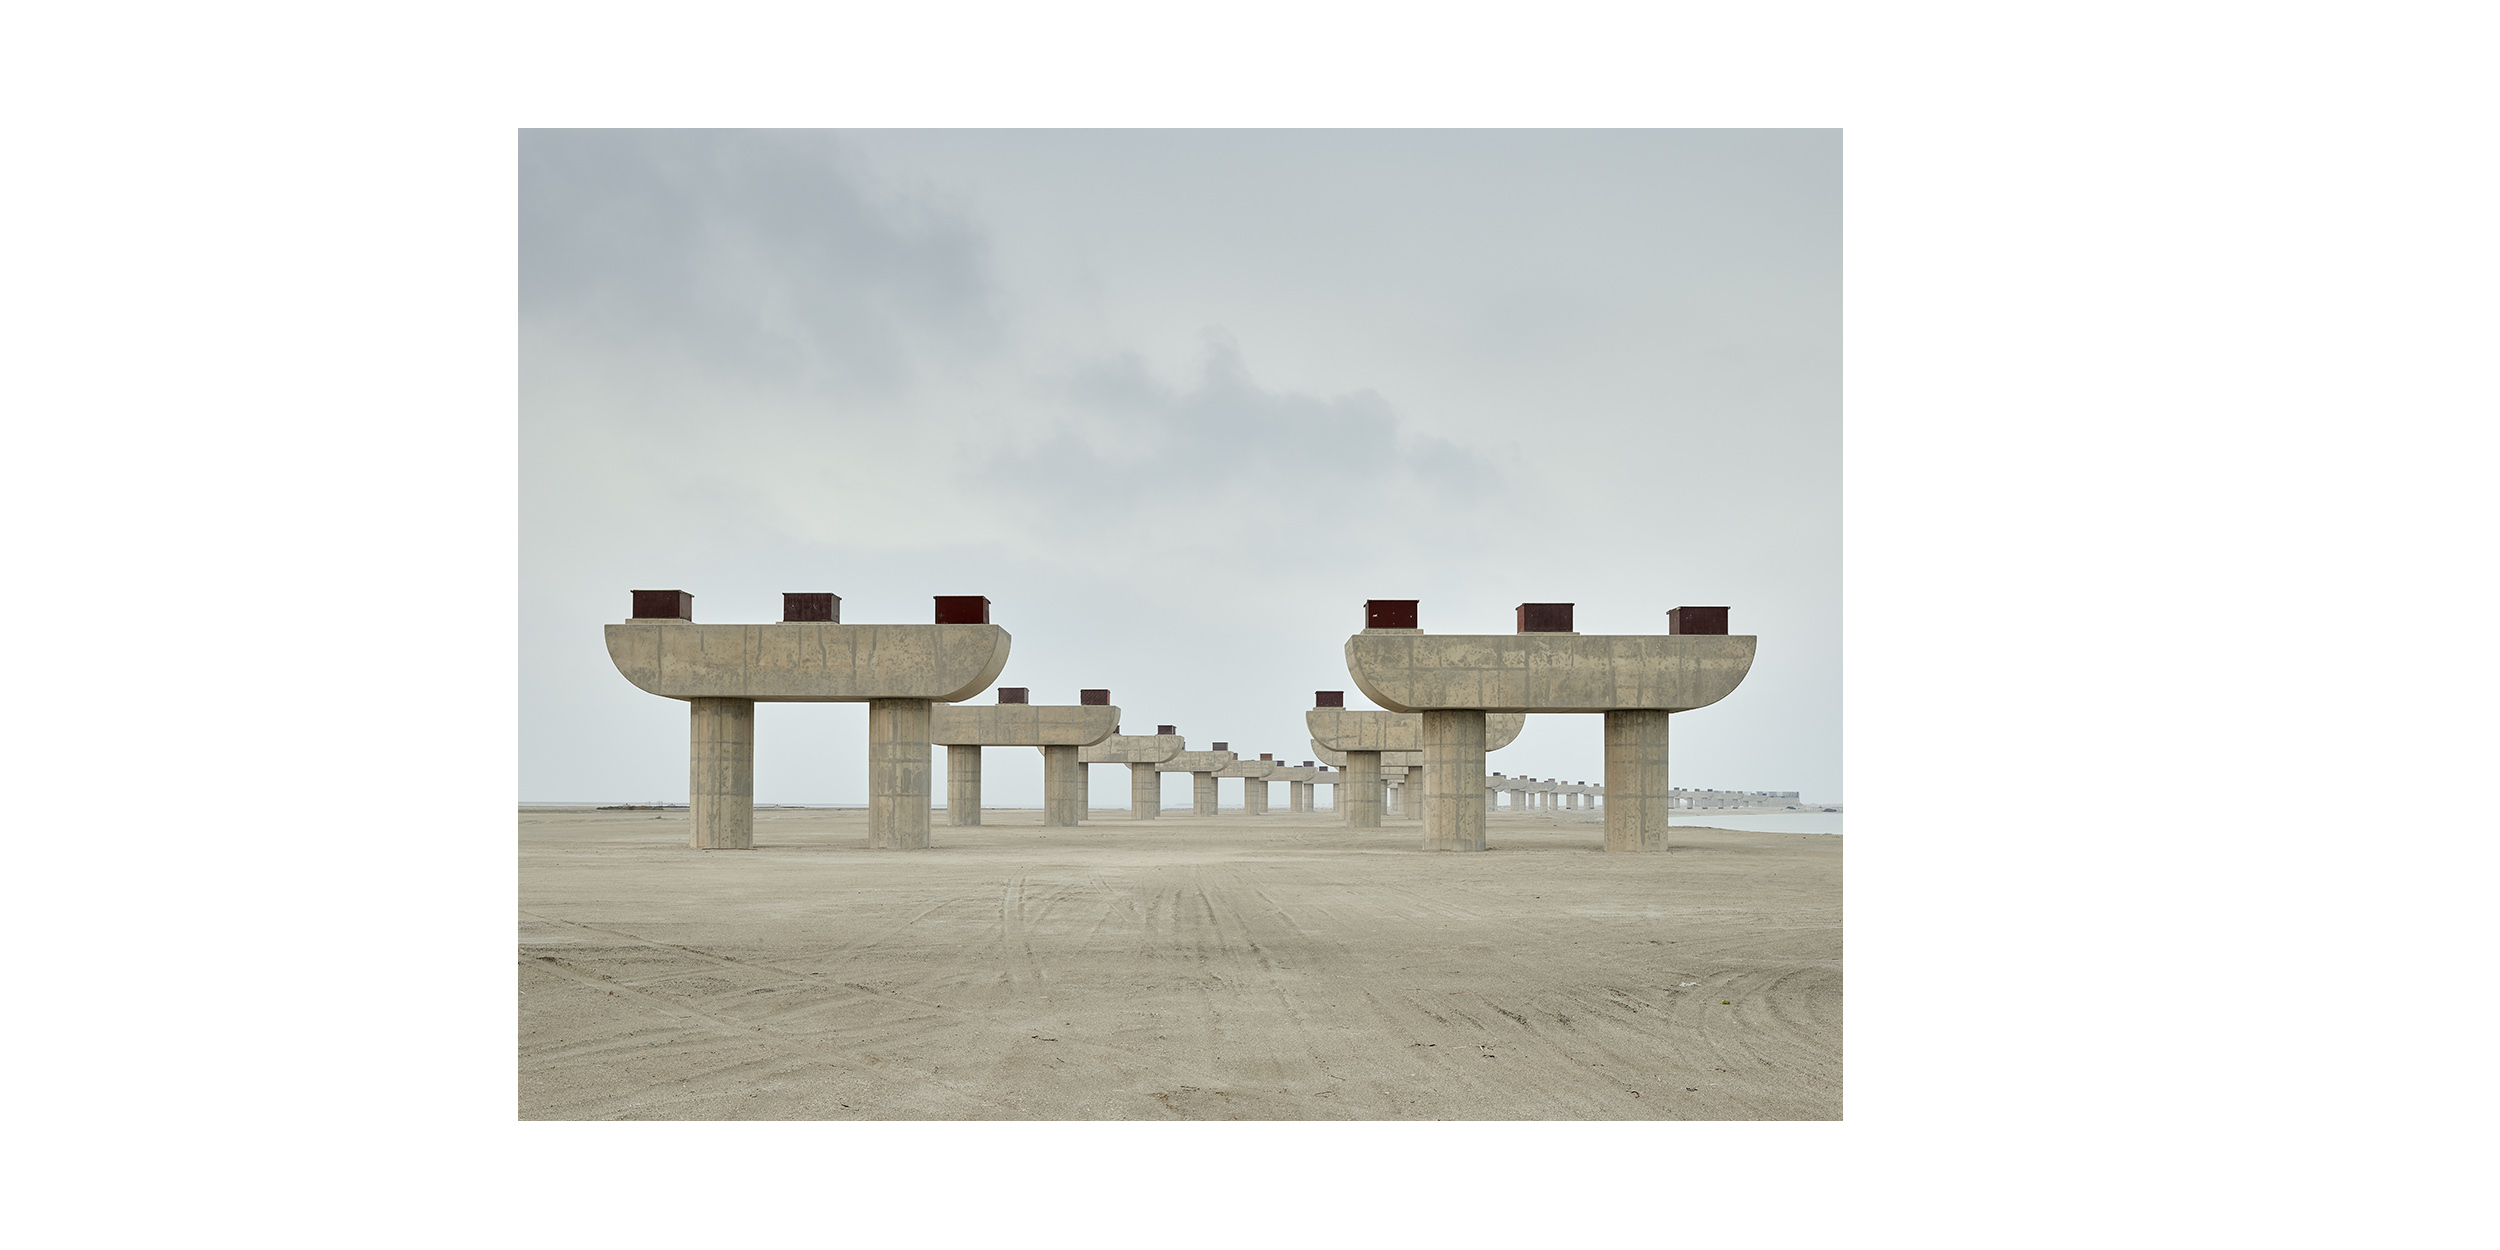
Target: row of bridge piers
(1450, 700)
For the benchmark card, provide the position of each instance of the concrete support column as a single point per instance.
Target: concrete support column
(720, 790)
(963, 785)
(1411, 795)
(1202, 794)
(1063, 797)
(898, 774)
(1453, 780)
(1359, 793)
(1145, 792)
(1298, 793)
(1085, 789)
(1636, 781)
(1253, 798)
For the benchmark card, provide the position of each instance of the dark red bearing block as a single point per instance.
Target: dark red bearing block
(1093, 698)
(1329, 698)
(1697, 621)
(812, 607)
(1168, 731)
(1015, 694)
(1389, 613)
(962, 610)
(663, 605)
(1545, 618)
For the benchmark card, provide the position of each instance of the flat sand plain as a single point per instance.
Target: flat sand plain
(1276, 967)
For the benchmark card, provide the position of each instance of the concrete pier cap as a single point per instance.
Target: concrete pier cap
(1057, 730)
(1142, 753)
(810, 656)
(1202, 767)
(1385, 738)
(1253, 775)
(1455, 681)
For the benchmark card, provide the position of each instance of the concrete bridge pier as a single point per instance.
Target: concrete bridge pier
(963, 785)
(1058, 732)
(720, 800)
(1453, 780)
(1637, 800)
(1636, 681)
(898, 774)
(1141, 752)
(1063, 795)
(1359, 793)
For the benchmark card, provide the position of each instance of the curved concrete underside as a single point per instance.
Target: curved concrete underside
(1021, 725)
(1132, 749)
(808, 661)
(1342, 730)
(1197, 762)
(1418, 672)
(1336, 759)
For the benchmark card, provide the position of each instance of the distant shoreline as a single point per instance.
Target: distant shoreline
(539, 806)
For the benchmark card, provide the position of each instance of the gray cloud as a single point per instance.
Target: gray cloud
(1226, 455)
(753, 255)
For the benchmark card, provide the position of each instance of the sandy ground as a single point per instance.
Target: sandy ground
(1269, 967)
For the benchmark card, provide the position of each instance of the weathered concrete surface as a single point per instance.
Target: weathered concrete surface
(1253, 774)
(963, 785)
(1141, 752)
(1342, 730)
(1298, 786)
(1063, 800)
(1277, 968)
(1636, 781)
(1132, 749)
(1416, 672)
(1396, 759)
(1616, 675)
(963, 731)
(1201, 767)
(1402, 801)
(808, 661)
(1363, 797)
(1021, 725)
(897, 670)
(721, 787)
(1453, 780)
(898, 774)
(1359, 795)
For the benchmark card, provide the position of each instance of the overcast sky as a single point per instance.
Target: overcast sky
(1178, 402)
